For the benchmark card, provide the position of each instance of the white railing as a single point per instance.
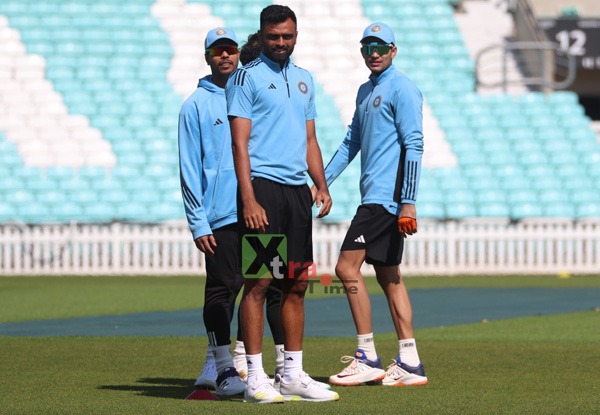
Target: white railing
(444, 248)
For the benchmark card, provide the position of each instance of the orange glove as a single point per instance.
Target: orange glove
(407, 225)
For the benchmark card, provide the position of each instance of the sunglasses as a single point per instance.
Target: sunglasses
(218, 50)
(381, 50)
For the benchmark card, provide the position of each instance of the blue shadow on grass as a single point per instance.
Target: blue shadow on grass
(330, 317)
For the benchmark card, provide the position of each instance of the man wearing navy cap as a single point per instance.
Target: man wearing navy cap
(387, 129)
(208, 187)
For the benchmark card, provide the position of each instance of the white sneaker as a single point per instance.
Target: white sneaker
(277, 382)
(229, 383)
(260, 389)
(304, 388)
(208, 376)
(400, 374)
(239, 361)
(360, 370)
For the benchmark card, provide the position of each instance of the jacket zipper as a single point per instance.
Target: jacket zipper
(284, 73)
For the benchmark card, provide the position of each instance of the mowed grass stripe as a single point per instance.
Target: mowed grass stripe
(40, 298)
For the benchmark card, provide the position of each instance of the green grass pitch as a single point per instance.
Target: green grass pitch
(528, 365)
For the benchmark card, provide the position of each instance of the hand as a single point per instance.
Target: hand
(407, 225)
(313, 192)
(206, 244)
(407, 222)
(255, 217)
(322, 200)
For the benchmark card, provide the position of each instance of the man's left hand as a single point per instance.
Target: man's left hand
(323, 200)
(407, 222)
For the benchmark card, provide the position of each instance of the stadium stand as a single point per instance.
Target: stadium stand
(90, 92)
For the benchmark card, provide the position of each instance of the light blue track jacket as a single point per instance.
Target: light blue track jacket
(279, 101)
(387, 127)
(208, 181)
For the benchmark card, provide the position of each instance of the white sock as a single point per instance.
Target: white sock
(367, 344)
(279, 358)
(292, 365)
(408, 352)
(255, 365)
(223, 357)
(239, 348)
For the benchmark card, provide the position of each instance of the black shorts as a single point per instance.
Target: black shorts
(289, 212)
(375, 229)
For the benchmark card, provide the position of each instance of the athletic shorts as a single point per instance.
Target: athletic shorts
(375, 229)
(289, 212)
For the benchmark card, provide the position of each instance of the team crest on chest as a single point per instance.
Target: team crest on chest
(302, 87)
(377, 101)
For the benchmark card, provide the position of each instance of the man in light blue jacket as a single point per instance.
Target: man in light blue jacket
(208, 187)
(387, 130)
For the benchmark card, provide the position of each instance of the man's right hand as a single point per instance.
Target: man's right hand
(206, 244)
(255, 217)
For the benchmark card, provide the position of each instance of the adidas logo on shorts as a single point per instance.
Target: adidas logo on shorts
(360, 239)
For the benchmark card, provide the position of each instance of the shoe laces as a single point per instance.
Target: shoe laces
(394, 369)
(353, 367)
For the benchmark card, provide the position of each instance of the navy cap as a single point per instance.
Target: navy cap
(219, 33)
(380, 31)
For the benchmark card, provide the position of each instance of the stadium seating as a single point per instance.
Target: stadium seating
(91, 91)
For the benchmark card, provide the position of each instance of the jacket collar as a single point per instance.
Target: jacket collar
(376, 80)
(274, 65)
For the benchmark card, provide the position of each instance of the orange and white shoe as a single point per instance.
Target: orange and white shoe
(360, 370)
(400, 374)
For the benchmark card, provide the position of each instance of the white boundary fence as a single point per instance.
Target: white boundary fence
(445, 248)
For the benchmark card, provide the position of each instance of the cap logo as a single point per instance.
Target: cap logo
(376, 28)
(220, 32)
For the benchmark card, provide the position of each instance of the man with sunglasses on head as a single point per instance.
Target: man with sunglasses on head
(271, 110)
(208, 187)
(387, 129)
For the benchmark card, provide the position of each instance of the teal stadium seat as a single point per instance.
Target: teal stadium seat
(8, 212)
(67, 212)
(461, 210)
(558, 210)
(167, 211)
(38, 184)
(431, 210)
(169, 183)
(115, 197)
(100, 212)
(493, 210)
(542, 184)
(526, 210)
(588, 210)
(491, 196)
(9, 184)
(85, 198)
(133, 211)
